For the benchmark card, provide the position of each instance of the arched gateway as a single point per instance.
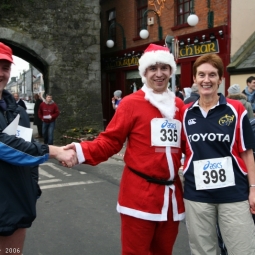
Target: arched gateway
(61, 39)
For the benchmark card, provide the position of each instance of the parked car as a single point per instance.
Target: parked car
(30, 110)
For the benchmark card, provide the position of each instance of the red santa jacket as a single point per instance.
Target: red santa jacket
(137, 197)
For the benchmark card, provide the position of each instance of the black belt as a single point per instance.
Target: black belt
(152, 180)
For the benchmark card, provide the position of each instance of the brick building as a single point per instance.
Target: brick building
(166, 22)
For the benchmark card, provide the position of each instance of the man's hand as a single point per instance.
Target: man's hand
(70, 146)
(67, 157)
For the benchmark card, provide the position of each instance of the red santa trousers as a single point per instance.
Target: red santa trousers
(146, 237)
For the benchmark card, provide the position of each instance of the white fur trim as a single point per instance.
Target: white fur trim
(80, 155)
(164, 102)
(153, 57)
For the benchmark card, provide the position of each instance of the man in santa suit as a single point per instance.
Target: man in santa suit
(150, 198)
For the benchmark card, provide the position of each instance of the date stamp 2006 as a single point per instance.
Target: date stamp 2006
(11, 251)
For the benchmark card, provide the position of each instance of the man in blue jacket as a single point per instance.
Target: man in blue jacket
(249, 91)
(19, 162)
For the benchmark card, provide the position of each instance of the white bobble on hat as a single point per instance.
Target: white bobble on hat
(155, 54)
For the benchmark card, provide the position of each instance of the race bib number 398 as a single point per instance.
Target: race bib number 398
(214, 173)
(165, 132)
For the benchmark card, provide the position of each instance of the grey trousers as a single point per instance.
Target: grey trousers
(235, 222)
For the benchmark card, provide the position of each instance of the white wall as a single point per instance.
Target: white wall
(242, 22)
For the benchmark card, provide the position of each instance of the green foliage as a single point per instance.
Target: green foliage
(81, 132)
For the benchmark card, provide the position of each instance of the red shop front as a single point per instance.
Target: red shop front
(120, 72)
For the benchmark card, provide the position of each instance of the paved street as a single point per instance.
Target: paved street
(76, 213)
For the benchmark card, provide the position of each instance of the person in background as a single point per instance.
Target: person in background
(19, 166)
(30, 100)
(234, 92)
(150, 199)
(19, 101)
(37, 120)
(186, 93)
(249, 91)
(193, 95)
(219, 167)
(116, 99)
(40, 94)
(178, 92)
(48, 113)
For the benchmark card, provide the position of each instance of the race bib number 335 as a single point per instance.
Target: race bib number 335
(165, 132)
(214, 173)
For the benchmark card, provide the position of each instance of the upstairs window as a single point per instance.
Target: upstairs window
(142, 6)
(183, 11)
(112, 19)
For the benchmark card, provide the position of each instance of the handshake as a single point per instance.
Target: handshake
(66, 155)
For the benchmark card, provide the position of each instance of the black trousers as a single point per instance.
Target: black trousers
(39, 128)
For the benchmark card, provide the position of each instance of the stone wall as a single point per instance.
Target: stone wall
(61, 38)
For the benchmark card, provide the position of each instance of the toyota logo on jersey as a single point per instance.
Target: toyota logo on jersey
(209, 137)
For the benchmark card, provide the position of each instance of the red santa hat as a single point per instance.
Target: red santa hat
(155, 54)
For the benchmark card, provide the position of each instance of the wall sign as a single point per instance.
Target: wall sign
(198, 49)
(121, 62)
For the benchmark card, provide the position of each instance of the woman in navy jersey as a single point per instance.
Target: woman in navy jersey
(219, 168)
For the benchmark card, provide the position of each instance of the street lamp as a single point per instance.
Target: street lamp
(170, 42)
(110, 42)
(144, 33)
(193, 18)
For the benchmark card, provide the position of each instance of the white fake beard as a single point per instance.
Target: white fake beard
(164, 102)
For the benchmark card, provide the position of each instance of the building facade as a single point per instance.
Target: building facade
(27, 84)
(242, 50)
(166, 22)
(61, 39)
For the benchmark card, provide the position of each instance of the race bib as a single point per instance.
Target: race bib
(165, 132)
(214, 173)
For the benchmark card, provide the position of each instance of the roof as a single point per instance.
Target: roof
(244, 59)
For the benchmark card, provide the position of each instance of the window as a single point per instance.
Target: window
(183, 11)
(141, 8)
(112, 19)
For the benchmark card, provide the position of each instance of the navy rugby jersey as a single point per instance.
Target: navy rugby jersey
(224, 132)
